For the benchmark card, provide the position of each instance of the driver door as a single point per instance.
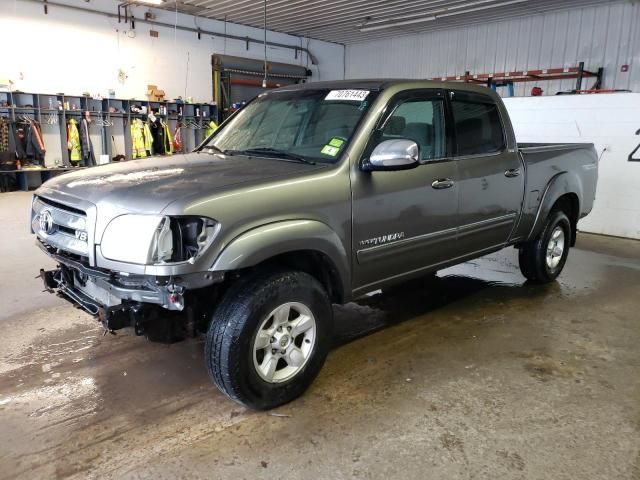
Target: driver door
(404, 221)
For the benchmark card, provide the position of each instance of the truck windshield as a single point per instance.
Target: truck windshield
(305, 125)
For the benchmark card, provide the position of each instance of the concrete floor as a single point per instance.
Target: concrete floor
(470, 375)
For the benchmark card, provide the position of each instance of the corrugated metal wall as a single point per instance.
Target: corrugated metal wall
(605, 36)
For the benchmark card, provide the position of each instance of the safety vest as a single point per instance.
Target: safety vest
(211, 127)
(138, 144)
(73, 141)
(148, 139)
(167, 139)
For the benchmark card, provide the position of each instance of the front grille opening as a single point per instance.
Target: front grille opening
(61, 206)
(67, 230)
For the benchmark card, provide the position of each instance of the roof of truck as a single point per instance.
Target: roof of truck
(382, 83)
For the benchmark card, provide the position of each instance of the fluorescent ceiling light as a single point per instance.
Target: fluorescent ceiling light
(371, 28)
(434, 15)
(150, 2)
(476, 9)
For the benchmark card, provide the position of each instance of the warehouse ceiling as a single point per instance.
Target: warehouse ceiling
(353, 21)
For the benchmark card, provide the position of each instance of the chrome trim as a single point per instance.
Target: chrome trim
(379, 251)
(486, 224)
(47, 220)
(480, 155)
(396, 153)
(65, 218)
(442, 183)
(70, 213)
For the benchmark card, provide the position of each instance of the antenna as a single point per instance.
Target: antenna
(264, 80)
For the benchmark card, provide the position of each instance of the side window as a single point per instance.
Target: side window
(421, 120)
(477, 124)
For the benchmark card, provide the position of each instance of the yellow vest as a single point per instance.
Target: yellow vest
(148, 139)
(168, 140)
(211, 127)
(138, 146)
(73, 141)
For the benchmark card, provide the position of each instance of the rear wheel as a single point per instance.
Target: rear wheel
(543, 259)
(269, 338)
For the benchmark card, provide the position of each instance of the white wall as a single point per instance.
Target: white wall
(73, 52)
(605, 36)
(610, 122)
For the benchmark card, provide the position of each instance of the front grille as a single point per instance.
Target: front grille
(60, 206)
(60, 226)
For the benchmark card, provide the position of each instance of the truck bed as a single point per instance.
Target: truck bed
(558, 166)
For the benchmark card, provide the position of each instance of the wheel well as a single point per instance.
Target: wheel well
(570, 205)
(316, 264)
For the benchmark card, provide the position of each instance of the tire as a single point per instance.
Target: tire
(246, 316)
(534, 264)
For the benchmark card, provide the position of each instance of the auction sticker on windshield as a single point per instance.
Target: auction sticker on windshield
(333, 147)
(347, 95)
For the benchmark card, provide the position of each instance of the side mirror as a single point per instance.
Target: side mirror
(397, 154)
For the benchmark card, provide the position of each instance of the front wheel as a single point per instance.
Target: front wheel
(269, 338)
(542, 259)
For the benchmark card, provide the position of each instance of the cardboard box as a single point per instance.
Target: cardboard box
(154, 94)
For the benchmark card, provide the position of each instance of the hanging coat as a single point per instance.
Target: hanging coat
(148, 139)
(85, 141)
(168, 141)
(157, 131)
(7, 150)
(73, 141)
(34, 143)
(177, 138)
(4, 135)
(137, 139)
(17, 132)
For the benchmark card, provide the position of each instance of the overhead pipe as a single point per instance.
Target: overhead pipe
(246, 39)
(255, 83)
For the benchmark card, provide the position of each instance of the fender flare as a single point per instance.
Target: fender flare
(267, 241)
(559, 185)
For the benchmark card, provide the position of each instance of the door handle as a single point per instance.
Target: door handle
(512, 172)
(442, 183)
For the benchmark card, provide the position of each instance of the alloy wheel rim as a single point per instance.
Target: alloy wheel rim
(555, 248)
(284, 342)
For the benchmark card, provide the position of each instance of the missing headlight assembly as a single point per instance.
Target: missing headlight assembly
(157, 239)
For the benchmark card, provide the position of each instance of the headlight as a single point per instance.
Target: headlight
(157, 239)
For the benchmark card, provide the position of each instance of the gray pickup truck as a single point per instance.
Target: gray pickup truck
(310, 195)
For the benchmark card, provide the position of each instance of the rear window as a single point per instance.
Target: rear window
(477, 124)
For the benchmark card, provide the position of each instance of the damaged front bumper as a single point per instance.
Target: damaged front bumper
(119, 299)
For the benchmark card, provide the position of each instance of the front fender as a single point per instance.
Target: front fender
(267, 241)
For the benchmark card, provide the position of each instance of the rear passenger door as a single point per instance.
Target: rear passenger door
(491, 178)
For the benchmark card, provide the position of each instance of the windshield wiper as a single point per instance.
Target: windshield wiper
(274, 152)
(215, 149)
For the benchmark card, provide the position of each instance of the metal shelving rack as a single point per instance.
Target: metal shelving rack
(36, 105)
(507, 79)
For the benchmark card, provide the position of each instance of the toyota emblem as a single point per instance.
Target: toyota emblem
(46, 222)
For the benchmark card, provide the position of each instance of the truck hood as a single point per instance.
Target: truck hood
(149, 185)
